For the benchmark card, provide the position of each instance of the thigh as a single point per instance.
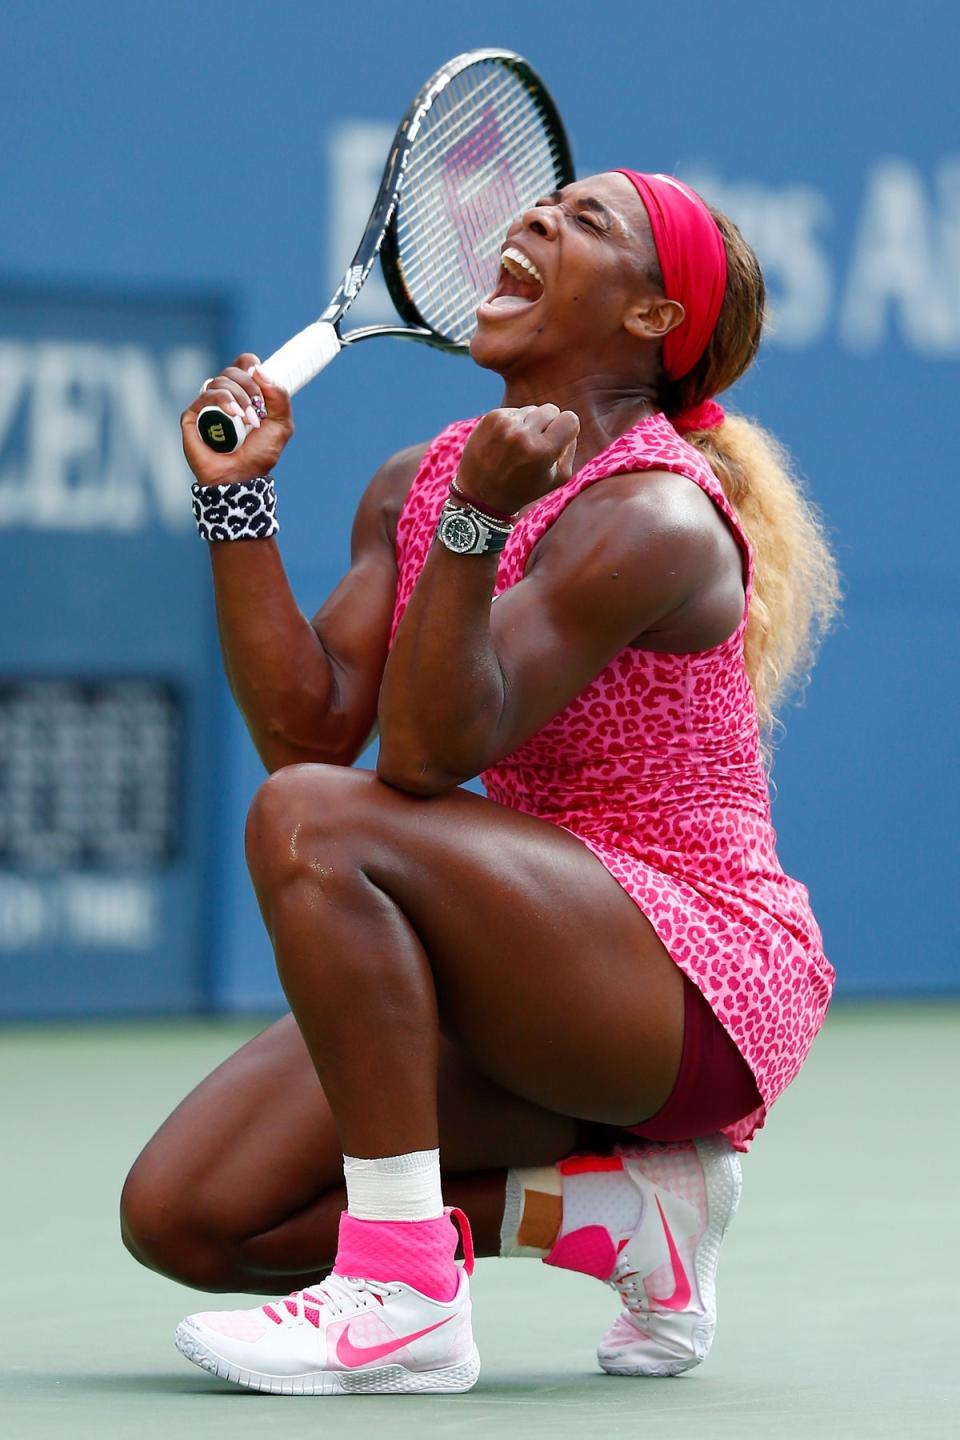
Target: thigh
(550, 980)
(255, 1143)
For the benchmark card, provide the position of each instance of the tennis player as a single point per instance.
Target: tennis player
(564, 1008)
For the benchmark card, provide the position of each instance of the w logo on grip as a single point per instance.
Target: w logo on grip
(218, 434)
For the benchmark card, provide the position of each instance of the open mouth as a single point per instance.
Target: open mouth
(519, 282)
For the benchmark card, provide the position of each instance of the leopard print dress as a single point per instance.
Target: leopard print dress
(656, 767)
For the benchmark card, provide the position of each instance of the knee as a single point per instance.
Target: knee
(303, 823)
(163, 1229)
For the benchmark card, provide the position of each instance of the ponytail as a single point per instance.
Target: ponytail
(796, 587)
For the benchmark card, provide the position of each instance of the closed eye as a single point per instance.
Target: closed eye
(590, 218)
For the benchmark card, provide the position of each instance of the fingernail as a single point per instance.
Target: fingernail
(252, 418)
(234, 409)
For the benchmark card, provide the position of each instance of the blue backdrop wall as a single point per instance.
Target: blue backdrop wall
(231, 151)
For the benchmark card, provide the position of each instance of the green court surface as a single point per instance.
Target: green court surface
(839, 1310)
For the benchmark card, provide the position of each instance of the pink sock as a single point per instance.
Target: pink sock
(420, 1253)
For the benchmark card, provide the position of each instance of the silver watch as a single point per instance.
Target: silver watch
(466, 532)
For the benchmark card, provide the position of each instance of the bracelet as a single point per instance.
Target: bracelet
(501, 515)
(245, 510)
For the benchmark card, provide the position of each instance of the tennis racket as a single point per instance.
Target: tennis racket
(481, 142)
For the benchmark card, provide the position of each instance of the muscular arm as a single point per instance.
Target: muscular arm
(308, 689)
(634, 557)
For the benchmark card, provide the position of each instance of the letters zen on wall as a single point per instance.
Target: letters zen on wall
(108, 671)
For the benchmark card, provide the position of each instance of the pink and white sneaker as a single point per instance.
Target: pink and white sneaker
(657, 1244)
(344, 1336)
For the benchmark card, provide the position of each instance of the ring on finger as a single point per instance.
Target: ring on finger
(259, 406)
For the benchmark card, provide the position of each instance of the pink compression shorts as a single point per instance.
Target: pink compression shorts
(714, 1085)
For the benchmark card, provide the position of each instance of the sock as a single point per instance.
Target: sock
(571, 1215)
(394, 1227)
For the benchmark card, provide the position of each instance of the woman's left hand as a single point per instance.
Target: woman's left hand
(514, 457)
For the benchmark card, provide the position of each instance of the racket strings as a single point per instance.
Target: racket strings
(441, 129)
(449, 135)
(423, 158)
(488, 152)
(439, 120)
(460, 278)
(446, 132)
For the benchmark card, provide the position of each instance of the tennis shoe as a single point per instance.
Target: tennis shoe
(659, 1249)
(344, 1336)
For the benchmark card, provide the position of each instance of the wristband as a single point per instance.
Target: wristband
(501, 516)
(245, 510)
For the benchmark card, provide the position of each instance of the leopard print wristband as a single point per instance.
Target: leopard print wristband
(246, 510)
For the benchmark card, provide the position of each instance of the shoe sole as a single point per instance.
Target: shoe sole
(723, 1185)
(385, 1380)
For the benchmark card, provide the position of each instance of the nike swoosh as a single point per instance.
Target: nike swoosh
(680, 1298)
(352, 1355)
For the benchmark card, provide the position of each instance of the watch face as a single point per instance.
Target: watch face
(459, 532)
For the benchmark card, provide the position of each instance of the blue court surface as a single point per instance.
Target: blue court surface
(839, 1310)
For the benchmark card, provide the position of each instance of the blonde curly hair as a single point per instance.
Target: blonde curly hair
(796, 585)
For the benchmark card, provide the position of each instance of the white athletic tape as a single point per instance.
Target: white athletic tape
(292, 366)
(397, 1187)
(303, 357)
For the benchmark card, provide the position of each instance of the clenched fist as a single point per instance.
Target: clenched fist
(514, 457)
(242, 390)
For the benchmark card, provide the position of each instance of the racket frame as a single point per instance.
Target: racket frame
(223, 432)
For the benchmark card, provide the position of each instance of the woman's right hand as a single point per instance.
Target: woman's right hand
(243, 390)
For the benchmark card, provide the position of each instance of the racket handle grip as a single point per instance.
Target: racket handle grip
(292, 366)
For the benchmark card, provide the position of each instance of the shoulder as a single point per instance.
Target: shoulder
(396, 473)
(384, 497)
(391, 485)
(644, 517)
(642, 554)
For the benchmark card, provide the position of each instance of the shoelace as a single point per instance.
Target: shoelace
(624, 1281)
(340, 1294)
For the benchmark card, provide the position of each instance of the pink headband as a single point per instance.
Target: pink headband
(693, 262)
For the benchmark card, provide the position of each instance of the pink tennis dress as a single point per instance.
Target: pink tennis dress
(656, 767)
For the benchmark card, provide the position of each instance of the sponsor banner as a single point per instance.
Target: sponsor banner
(107, 659)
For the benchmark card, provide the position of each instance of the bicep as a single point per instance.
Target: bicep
(609, 573)
(547, 655)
